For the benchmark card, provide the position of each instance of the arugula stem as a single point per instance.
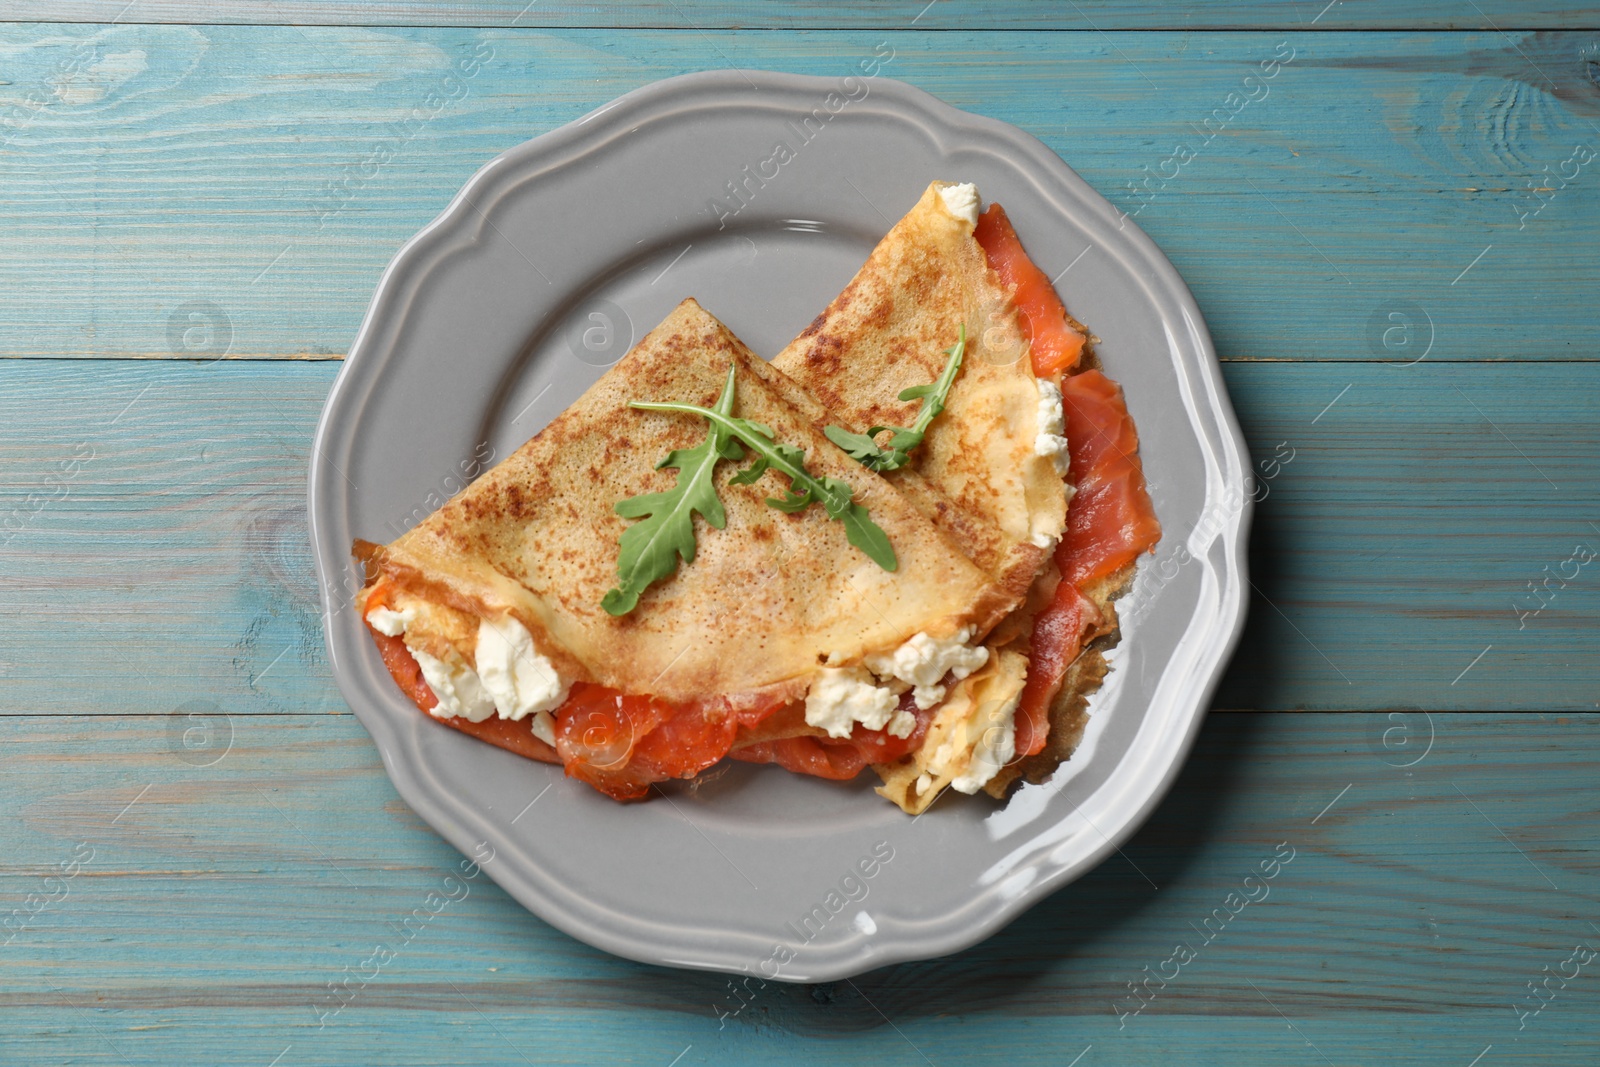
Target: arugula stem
(649, 550)
(896, 452)
(934, 403)
(833, 494)
(738, 428)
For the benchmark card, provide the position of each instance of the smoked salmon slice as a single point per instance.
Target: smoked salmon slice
(839, 759)
(1110, 519)
(1058, 635)
(622, 744)
(1054, 343)
(619, 744)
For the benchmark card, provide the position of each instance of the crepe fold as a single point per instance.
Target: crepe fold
(979, 473)
(767, 599)
(976, 473)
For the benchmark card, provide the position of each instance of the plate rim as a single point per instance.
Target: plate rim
(391, 304)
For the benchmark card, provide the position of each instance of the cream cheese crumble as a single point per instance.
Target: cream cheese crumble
(1052, 424)
(922, 662)
(457, 687)
(995, 746)
(521, 681)
(391, 623)
(544, 727)
(512, 680)
(840, 697)
(961, 201)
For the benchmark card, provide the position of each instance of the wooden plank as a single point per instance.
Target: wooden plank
(219, 171)
(1418, 548)
(217, 902)
(826, 14)
(1408, 527)
(184, 518)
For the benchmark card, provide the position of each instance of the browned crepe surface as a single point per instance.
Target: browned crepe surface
(888, 330)
(765, 599)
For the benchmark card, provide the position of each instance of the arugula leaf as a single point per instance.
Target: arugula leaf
(864, 448)
(858, 446)
(650, 549)
(868, 536)
(804, 488)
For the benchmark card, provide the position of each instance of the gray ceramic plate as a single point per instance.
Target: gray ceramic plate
(542, 271)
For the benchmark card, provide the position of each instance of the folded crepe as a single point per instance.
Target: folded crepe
(981, 475)
(777, 639)
(996, 471)
(490, 611)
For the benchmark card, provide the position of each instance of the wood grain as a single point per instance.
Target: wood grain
(829, 14)
(153, 173)
(1406, 513)
(1417, 905)
(171, 194)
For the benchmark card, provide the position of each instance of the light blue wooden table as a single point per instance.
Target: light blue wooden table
(1397, 247)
